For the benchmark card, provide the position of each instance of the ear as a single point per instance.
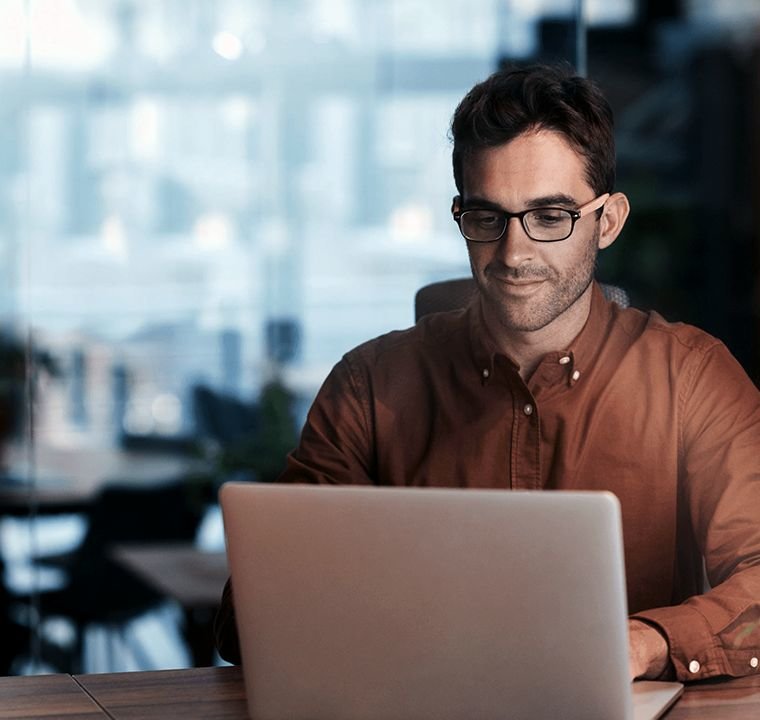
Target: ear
(456, 203)
(613, 218)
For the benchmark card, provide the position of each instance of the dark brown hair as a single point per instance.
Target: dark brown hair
(515, 100)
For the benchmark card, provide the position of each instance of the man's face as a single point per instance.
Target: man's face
(526, 285)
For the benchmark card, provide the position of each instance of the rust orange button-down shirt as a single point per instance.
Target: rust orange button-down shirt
(658, 413)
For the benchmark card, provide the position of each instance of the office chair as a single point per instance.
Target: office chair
(98, 591)
(16, 638)
(456, 293)
(249, 440)
(222, 418)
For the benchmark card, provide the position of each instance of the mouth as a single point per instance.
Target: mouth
(521, 286)
(521, 282)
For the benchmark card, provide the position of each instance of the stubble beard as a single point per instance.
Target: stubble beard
(559, 292)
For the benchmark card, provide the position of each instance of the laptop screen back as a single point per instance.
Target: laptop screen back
(375, 603)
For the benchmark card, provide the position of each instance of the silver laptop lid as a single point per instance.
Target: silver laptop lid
(380, 603)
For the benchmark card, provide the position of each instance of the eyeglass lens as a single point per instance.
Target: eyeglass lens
(540, 224)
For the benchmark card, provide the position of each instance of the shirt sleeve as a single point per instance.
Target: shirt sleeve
(225, 629)
(336, 445)
(718, 632)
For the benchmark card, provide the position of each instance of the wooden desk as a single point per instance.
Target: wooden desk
(198, 694)
(191, 577)
(210, 693)
(216, 693)
(46, 696)
(719, 700)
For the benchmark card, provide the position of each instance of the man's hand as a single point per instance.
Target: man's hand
(647, 651)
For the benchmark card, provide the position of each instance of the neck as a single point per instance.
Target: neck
(528, 347)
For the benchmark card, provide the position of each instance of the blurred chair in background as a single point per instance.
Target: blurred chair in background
(222, 418)
(15, 637)
(250, 441)
(98, 592)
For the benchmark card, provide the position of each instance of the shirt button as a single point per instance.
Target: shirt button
(528, 409)
(576, 374)
(754, 662)
(564, 360)
(486, 372)
(694, 667)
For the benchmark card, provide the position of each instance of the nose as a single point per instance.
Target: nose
(515, 247)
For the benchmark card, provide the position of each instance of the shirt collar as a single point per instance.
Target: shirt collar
(590, 340)
(482, 346)
(573, 360)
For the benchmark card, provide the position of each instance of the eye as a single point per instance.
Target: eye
(548, 217)
(484, 219)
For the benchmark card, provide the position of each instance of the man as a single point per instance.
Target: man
(543, 383)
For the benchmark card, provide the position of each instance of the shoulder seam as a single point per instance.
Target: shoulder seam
(692, 370)
(361, 392)
(698, 340)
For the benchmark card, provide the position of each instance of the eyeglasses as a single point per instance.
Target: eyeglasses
(546, 224)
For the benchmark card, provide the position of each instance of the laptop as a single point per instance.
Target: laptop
(362, 603)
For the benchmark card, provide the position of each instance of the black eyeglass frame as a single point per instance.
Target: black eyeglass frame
(575, 215)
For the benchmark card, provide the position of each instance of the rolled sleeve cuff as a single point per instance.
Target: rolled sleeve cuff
(696, 652)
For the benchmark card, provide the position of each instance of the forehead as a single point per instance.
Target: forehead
(537, 163)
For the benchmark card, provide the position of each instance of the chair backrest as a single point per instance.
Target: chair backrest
(99, 589)
(456, 293)
(141, 514)
(222, 417)
(443, 296)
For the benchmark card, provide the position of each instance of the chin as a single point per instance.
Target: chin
(514, 320)
(523, 324)
(527, 316)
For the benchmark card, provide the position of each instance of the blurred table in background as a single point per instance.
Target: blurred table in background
(66, 479)
(194, 578)
(107, 495)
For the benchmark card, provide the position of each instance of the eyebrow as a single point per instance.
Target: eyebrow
(558, 199)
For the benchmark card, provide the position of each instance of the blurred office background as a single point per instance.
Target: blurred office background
(204, 203)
